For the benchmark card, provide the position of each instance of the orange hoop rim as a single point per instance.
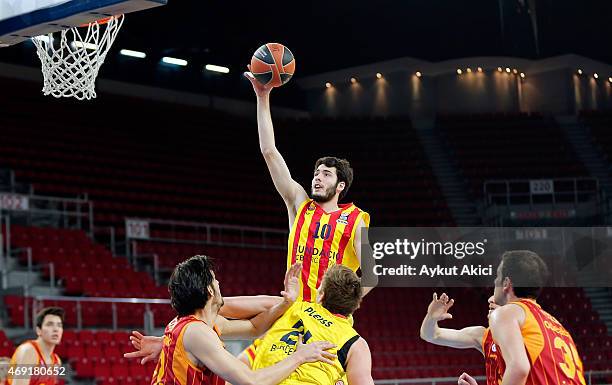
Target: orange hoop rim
(102, 21)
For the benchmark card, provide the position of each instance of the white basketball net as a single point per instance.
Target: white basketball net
(72, 58)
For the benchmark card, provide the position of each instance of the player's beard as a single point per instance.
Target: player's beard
(326, 196)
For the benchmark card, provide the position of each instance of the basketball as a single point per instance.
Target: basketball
(273, 64)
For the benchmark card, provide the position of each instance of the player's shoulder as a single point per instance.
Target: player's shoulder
(196, 326)
(508, 312)
(25, 353)
(361, 344)
(199, 333)
(359, 349)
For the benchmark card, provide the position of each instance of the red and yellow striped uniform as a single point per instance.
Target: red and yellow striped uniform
(40, 360)
(320, 240)
(174, 366)
(494, 377)
(552, 353)
(251, 350)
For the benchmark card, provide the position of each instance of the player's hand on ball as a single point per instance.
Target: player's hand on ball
(316, 351)
(147, 348)
(292, 283)
(466, 379)
(438, 308)
(260, 89)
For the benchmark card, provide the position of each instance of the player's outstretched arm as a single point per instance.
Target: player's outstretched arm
(258, 325)
(292, 192)
(505, 324)
(147, 348)
(248, 306)
(359, 364)
(466, 338)
(203, 344)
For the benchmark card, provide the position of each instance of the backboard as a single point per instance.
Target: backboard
(23, 19)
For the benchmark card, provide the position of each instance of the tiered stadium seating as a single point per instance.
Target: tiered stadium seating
(99, 354)
(85, 268)
(393, 180)
(599, 123)
(150, 159)
(240, 270)
(168, 161)
(498, 147)
(398, 352)
(6, 345)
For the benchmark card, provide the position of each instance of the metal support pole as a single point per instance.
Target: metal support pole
(8, 235)
(148, 319)
(52, 274)
(26, 308)
(114, 307)
(91, 220)
(79, 309)
(156, 268)
(112, 240)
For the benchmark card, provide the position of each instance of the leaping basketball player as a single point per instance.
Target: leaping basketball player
(323, 232)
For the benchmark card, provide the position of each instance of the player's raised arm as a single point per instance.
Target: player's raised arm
(505, 324)
(359, 364)
(247, 306)
(200, 341)
(466, 338)
(292, 192)
(258, 325)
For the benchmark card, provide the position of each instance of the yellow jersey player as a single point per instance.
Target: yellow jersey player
(191, 351)
(326, 320)
(324, 232)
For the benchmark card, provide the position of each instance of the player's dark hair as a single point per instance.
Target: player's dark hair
(527, 271)
(342, 290)
(344, 171)
(53, 310)
(189, 284)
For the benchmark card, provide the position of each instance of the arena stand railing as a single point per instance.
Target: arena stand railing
(564, 200)
(28, 210)
(161, 244)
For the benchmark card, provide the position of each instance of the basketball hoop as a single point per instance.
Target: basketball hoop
(71, 60)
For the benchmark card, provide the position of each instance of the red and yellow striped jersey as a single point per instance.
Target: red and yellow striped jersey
(40, 360)
(494, 377)
(552, 353)
(174, 366)
(319, 240)
(251, 350)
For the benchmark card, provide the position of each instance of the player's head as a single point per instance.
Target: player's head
(50, 325)
(520, 274)
(492, 305)
(332, 178)
(340, 291)
(193, 285)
